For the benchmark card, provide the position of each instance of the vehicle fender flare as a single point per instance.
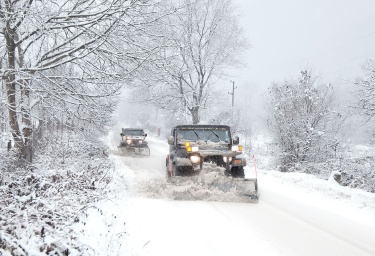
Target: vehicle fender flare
(170, 167)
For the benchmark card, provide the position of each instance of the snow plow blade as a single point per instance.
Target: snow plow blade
(244, 187)
(134, 151)
(211, 183)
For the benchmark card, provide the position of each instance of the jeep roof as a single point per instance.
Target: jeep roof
(133, 131)
(201, 126)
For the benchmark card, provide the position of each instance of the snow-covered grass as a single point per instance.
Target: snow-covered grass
(40, 203)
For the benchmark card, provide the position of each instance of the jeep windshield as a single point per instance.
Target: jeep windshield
(133, 132)
(216, 135)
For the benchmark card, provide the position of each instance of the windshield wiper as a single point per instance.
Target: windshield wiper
(216, 135)
(196, 134)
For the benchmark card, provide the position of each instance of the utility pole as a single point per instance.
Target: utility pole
(232, 93)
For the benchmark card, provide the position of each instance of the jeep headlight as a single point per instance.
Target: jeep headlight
(195, 159)
(129, 141)
(237, 148)
(227, 159)
(140, 141)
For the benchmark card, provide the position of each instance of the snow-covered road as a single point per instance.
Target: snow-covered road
(291, 218)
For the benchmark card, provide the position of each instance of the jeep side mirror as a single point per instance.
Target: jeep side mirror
(121, 134)
(170, 140)
(236, 140)
(145, 134)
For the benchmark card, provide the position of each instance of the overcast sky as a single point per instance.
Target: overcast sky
(334, 37)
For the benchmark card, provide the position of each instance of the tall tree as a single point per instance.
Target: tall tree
(201, 41)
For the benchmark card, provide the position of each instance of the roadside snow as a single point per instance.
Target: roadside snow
(305, 188)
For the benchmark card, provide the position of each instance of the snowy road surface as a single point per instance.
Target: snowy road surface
(296, 215)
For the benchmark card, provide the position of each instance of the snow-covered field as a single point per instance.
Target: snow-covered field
(297, 214)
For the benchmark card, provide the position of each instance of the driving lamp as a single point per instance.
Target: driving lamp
(237, 148)
(189, 148)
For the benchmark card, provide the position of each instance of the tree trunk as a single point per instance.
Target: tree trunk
(9, 79)
(27, 125)
(194, 111)
(22, 139)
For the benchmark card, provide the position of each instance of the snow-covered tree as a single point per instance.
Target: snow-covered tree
(365, 97)
(67, 59)
(366, 90)
(200, 41)
(301, 121)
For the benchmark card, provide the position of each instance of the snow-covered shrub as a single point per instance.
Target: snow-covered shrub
(356, 172)
(359, 172)
(301, 121)
(39, 203)
(357, 168)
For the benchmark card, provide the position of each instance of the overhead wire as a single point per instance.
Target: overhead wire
(343, 45)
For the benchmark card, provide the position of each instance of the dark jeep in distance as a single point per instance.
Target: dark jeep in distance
(133, 140)
(191, 145)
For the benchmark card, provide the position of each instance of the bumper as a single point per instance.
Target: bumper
(143, 145)
(187, 161)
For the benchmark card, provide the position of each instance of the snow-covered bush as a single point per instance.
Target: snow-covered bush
(301, 120)
(39, 203)
(357, 168)
(359, 172)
